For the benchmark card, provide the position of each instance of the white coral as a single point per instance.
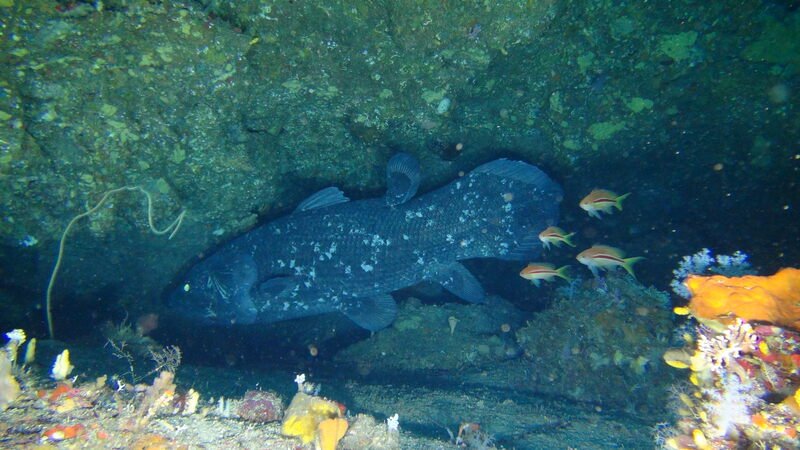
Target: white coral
(730, 407)
(721, 351)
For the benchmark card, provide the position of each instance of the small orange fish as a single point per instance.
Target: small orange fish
(601, 200)
(605, 257)
(555, 236)
(538, 272)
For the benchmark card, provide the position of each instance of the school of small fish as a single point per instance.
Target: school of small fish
(597, 257)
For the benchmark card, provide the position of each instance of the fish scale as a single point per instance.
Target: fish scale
(348, 256)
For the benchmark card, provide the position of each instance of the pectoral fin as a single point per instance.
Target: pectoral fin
(326, 197)
(372, 313)
(456, 278)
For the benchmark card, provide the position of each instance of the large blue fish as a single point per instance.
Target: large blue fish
(332, 254)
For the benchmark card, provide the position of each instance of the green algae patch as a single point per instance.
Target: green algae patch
(431, 97)
(585, 61)
(779, 43)
(108, 110)
(678, 46)
(178, 155)
(556, 102)
(639, 104)
(571, 144)
(293, 85)
(601, 131)
(406, 323)
(622, 27)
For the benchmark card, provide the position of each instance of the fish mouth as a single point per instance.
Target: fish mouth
(187, 306)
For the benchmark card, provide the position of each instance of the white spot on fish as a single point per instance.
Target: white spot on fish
(405, 237)
(348, 270)
(449, 238)
(366, 267)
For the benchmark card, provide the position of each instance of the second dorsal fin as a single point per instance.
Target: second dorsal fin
(402, 179)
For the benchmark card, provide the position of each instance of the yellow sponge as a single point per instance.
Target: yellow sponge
(304, 415)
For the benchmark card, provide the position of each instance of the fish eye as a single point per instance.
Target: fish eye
(186, 287)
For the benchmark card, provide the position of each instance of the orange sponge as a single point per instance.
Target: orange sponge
(330, 432)
(774, 299)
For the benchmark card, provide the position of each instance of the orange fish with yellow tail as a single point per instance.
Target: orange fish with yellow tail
(538, 272)
(604, 257)
(602, 200)
(555, 236)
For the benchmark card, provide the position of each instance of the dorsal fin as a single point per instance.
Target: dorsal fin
(326, 197)
(518, 170)
(402, 179)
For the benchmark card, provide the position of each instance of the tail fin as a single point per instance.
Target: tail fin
(562, 272)
(629, 262)
(622, 197)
